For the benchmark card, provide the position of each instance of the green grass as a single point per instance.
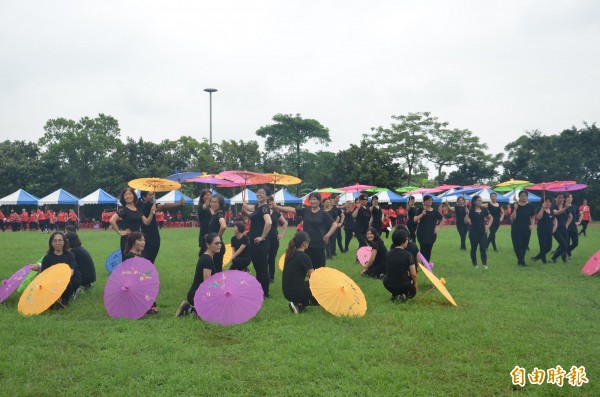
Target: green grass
(539, 316)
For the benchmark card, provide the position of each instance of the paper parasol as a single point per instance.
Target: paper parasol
(425, 263)
(439, 284)
(363, 255)
(281, 262)
(227, 256)
(229, 297)
(337, 293)
(131, 289)
(113, 260)
(592, 266)
(45, 289)
(283, 179)
(9, 285)
(154, 184)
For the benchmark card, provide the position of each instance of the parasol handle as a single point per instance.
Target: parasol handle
(428, 291)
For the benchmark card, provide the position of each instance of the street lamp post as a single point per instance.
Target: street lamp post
(210, 91)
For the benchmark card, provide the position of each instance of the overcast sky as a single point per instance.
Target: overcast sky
(497, 68)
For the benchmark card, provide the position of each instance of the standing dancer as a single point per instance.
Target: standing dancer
(572, 222)
(217, 224)
(204, 216)
(411, 223)
(131, 216)
(338, 231)
(327, 207)
(546, 227)
(460, 211)
(585, 217)
(522, 219)
(362, 217)
(348, 225)
(480, 220)
(561, 235)
(376, 214)
(319, 226)
(497, 214)
(429, 224)
(274, 237)
(260, 224)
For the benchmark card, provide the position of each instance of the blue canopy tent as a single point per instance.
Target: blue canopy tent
(214, 193)
(59, 196)
(284, 197)
(419, 198)
(174, 197)
(98, 197)
(387, 196)
(532, 197)
(485, 196)
(250, 198)
(20, 197)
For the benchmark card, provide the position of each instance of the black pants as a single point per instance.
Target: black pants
(349, 233)
(3, 224)
(573, 239)
(412, 230)
(462, 232)
(301, 295)
(478, 239)
(407, 288)
(273, 248)
(151, 249)
(492, 237)
(123, 241)
(520, 235)
(332, 241)
(218, 259)
(545, 240)
(376, 270)
(362, 239)
(425, 250)
(338, 238)
(562, 237)
(317, 256)
(74, 283)
(260, 260)
(240, 263)
(584, 225)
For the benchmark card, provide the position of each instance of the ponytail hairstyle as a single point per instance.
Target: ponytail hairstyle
(294, 244)
(399, 237)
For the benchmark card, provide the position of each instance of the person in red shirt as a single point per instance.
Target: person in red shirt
(386, 225)
(33, 221)
(14, 221)
(160, 218)
(105, 218)
(61, 220)
(2, 221)
(401, 215)
(585, 217)
(73, 219)
(42, 220)
(24, 219)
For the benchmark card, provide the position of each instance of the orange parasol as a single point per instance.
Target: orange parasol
(283, 179)
(281, 262)
(228, 255)
(45, 289)
(154, 184)
(439, 284)
(337, 293)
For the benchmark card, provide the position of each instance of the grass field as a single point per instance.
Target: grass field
(540, 316)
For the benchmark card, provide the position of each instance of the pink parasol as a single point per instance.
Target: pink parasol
(592, 266)
(11, 284)
(356, 188)
(229, 297)
(567, 187)
(422, 190)
(363, 255)
(427, 265)
(478, 187)
(442, 188)
(211, 179)
(245, 178)
(131, 289)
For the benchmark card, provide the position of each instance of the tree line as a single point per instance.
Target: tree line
(82, 155)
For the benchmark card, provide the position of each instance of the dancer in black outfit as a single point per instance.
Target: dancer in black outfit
(460, 211)
(240, 245)
(546, 227)
(376, 214)
(410, 223)
(480, 220)
(522, 220)
(319, 226)
(401, 271)
(131, 217)
(335, 213)
(204, 269)
(340, 223)
(260, 225)
(429, 224)
(297, 267)
(375, 266)
(84, 260)
(204, 216)
(217, 224)
(572, 232)
(497, 214)
(561, 235)
(348, 225)
(362, 217)
(274, 236)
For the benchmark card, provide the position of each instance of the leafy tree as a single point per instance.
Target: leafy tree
(407, 140)
(20, 166)
(238, 155)
(292, 132)
(476, 170)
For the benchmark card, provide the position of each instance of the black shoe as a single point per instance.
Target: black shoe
(400, 298)
(184, 309)
(521, 264)
(272, 281)
(293, 308)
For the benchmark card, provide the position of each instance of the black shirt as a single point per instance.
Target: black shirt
(377, 221)
(426, 231)
(573, 210)
(316, 224)
(546, 223)
(204, 216)
(257, 221)
(294, 273)
(237, 243)
(398, 264)
(478, 221)
(131, 255)
(204, 262)
(361, 222)
(86, 265)
(460, 213)
(412, 212)
(274, 222)
(348, 220)
(151, 230)
(131, 220)
(52, 259)
(381, 252)
(524, 214)
(562, 218)
(214, 224)
(495, 212)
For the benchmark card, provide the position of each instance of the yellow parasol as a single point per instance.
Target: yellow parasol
(45, 290)
(283, 179)
(337, 293)
(439, 284)
(281, 262)
(228, 255)
(154, 184)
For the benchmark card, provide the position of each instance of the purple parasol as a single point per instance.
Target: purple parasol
(568, 187)
(11, 284)
(131, 289)
(363, 255)
(229, 297)
(427, 265)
